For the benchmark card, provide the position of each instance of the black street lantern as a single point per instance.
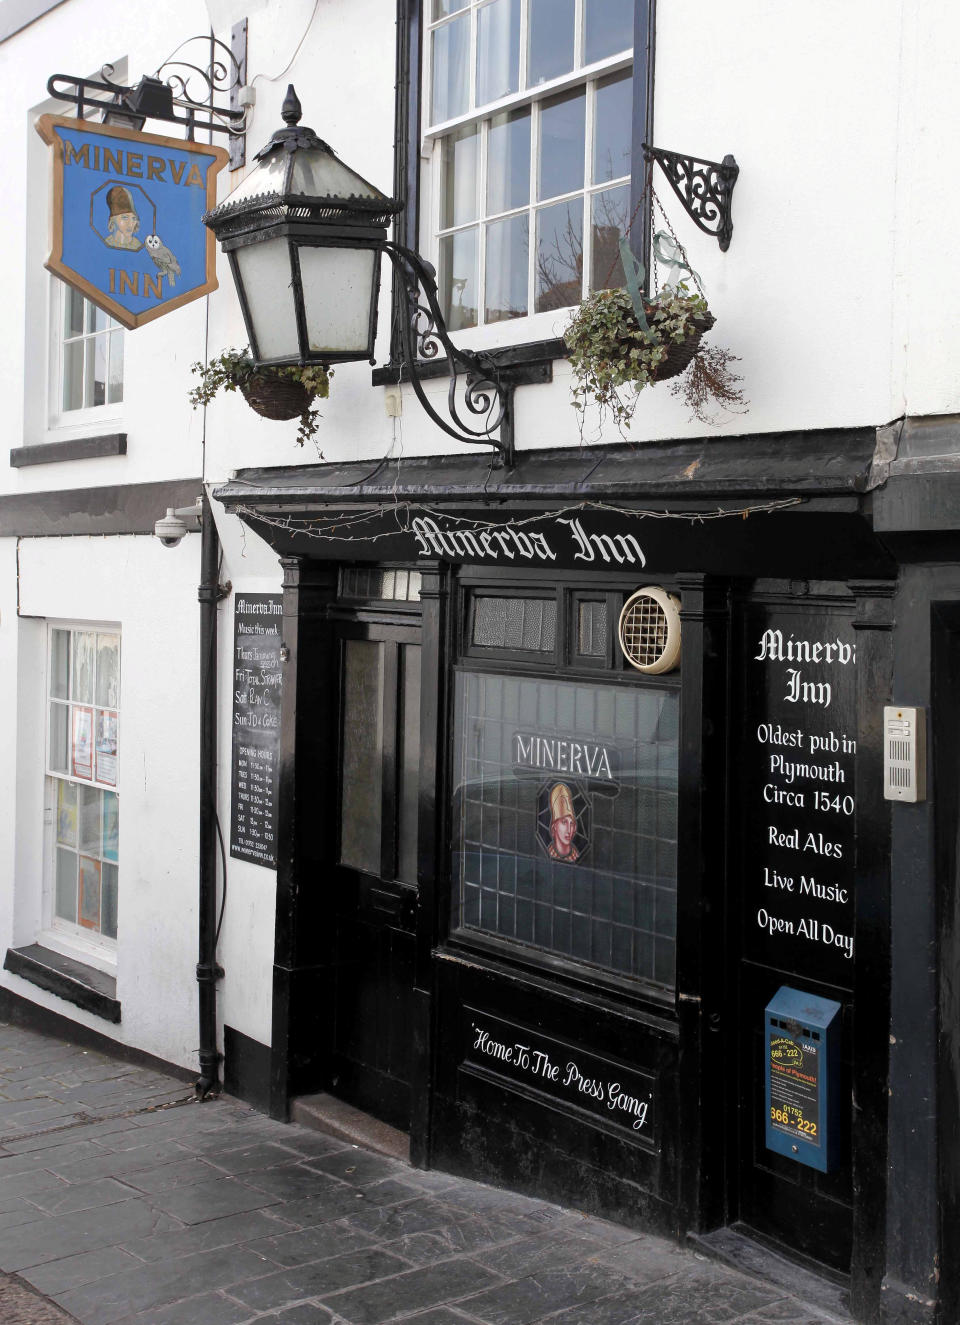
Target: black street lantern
(304, 234)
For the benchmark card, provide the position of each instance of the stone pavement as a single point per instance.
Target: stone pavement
(124, 1202)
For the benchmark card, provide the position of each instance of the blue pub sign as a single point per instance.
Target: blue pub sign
(127, 227)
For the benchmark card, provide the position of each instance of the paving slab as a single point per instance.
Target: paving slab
(123, 1201)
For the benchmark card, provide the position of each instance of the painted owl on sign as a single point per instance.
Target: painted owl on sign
(162, 258)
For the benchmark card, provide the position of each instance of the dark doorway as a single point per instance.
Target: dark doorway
(375, 874)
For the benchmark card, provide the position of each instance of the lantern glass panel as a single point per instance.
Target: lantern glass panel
(265, 274)
(267, 178)
(322, 175)
(338, 297)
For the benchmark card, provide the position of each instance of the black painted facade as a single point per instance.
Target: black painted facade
(391, 992)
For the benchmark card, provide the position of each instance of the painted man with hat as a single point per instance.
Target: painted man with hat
(124, 221)
(563, 825)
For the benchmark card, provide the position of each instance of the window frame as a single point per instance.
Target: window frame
(60, 422)
(563, 665)
(68, 938)
(416, 187)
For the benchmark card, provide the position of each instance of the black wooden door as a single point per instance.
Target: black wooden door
(793, 899)
(375, 878)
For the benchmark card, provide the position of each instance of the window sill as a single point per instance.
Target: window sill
(74, 448)
(527, 364)
(94, 991)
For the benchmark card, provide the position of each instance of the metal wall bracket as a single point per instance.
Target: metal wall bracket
(480, 395)
(705, 188)
(181, 92)
(238, 48)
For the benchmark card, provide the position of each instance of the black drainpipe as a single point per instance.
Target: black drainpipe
(208, 971)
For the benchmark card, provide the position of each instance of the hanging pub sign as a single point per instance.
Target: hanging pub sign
(127, 209)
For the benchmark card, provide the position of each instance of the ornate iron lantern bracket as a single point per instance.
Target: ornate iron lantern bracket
(171, 99)
(705, 188)
(480, 395)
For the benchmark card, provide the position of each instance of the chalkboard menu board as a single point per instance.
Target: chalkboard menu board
(797, 782)
(256, 726)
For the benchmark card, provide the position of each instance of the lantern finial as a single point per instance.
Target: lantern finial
(291, 110)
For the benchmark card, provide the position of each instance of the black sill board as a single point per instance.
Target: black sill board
(92, 990)
(75, 448)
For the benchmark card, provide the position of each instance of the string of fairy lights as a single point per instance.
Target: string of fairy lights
(343, 527)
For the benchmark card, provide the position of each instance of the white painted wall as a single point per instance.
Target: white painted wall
(837, 292)
(136, 583)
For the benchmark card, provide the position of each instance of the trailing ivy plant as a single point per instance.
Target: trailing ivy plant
(613, 357)
(234, 370)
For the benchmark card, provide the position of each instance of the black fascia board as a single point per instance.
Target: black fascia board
(770, 466)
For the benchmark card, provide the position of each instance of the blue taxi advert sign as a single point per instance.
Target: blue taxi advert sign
(127, 217)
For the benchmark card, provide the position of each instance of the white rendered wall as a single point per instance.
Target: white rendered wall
(245, 1000)
(151, 593)
(834, 292)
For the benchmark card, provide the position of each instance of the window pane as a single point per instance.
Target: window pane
(108, 901)
(451, 69)
(66, 886)
(361, 759)
(592, 629)
(551, 40)
(498, 50)
(108, 671)
(96, 390)
(60, 738)
(96, 318)
(106, 747)
(508, 161)
(409, 764)
(561, 144)
(559, 269)
(458, 279)
(515, 623)
(84, 665)
(564, 825)
(441, 8)
(609, 222)
(611, 142)
(508, 251)
(60, 664)
(608, 28)
(111, 826)
(66, 814)
(458, 202)
(115, 387)
(73, 311)
(73, 375)
(88, 807)
(89, 913)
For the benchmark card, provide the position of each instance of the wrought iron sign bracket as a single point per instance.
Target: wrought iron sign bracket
(173, 94)
(484, 414)
(705, 188)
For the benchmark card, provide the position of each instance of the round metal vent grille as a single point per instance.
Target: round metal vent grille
(650, 630)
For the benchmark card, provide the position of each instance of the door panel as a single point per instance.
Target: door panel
(793, 748)
(375, 890)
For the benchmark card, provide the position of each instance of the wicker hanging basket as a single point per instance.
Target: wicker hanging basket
(680, 355)
(276, 397)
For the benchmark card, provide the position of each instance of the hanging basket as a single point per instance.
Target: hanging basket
(680, 356)
(275, 397)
